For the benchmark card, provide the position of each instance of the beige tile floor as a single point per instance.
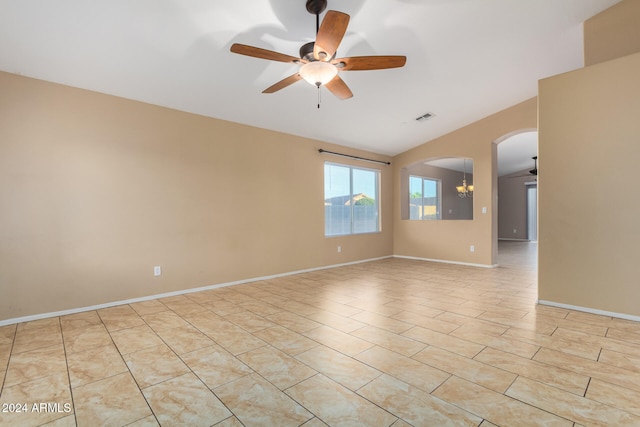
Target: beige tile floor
(388, 343)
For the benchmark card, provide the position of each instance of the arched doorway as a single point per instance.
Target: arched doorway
(516, 205)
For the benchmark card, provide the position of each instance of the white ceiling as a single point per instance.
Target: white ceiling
(515, 153)
(466, 59)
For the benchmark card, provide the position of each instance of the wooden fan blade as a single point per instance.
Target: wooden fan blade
(283, 83)
(258, 52)
(369, 62)
(339, 88)
(330, 34)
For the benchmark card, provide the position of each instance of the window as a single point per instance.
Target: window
(351, 202)
(424, 198)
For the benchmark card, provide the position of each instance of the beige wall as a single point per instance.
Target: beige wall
(588, 209)
(612, 33)
(96, 190)
(450, 240)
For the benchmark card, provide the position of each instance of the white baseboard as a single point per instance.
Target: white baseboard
(590, 310)
(291, 273)
(514, 240)
(442, 261)
(175, 293)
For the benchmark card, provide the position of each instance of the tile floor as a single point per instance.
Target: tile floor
(388, 343)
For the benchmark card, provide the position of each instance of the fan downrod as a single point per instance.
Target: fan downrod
(316, 7)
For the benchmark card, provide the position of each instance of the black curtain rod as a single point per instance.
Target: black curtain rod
(353, 157)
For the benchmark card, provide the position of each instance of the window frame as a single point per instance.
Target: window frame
(376, 197)
(438, 198)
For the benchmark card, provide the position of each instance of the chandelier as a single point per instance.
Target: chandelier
(464, 190)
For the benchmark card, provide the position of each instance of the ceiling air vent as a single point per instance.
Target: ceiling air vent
(424, 117)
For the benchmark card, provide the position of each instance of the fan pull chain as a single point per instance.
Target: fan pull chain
(319, 97)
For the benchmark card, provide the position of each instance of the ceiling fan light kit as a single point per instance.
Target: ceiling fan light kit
(318, 64)
(318, 73)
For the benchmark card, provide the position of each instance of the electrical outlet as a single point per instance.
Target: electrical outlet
(339, 249)
(484, 209)
(515, 231)
(472, 248)
(157, 271)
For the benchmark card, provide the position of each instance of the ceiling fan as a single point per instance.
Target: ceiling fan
(533, 171)
(318, 63)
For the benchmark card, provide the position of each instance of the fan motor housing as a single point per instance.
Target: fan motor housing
(306, 52)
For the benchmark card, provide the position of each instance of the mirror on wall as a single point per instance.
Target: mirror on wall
(438, 189)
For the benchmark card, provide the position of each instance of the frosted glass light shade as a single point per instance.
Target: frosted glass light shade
(318, 73)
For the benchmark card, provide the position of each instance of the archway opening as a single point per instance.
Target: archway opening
(516, 205)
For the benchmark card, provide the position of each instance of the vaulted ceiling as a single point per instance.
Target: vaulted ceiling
(466, 59)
